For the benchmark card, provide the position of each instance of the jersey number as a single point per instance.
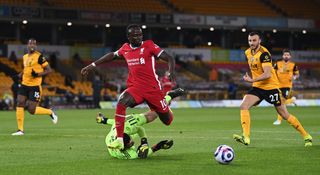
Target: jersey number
(274, 97)
(142, 61)
(163, 103)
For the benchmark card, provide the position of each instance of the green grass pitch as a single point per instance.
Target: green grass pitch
(76, 144)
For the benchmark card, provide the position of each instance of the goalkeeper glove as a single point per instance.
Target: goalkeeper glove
(101, 119)
(143, 149)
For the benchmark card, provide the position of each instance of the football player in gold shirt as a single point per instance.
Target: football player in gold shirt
(287, 71)
(34, 67)
(265, 86)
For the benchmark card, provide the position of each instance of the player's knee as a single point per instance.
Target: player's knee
(31, 110)
(168, 122)
(20, 103)
(127, 100)
(244, 106)
(166, 118)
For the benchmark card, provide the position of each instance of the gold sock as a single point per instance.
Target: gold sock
(245, 122)
(279, 117)
(43, 111)
(288, 101)
(20, 117)
(293, 121)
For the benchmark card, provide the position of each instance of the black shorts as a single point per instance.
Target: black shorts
(286, 92)
(33, 93)
(272, 96)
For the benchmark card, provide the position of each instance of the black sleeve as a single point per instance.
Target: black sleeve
(265, 57)
(41, 59)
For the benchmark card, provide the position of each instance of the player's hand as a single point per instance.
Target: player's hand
(101, 119)
(143, 151)
(85, 71)
(34, 74)
(247, 78)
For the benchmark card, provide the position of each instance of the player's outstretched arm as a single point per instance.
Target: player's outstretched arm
(104, 120)
(105, 58)
(171, 63)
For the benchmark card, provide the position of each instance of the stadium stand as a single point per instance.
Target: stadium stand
(19, 2)
(268, 8)
(294, 8)
(152, 6)
(230, 7)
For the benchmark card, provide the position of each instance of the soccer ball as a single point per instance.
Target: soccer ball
(224, 154)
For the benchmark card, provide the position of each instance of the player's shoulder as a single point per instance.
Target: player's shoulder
(37, 53)
(247, 52)
(292, 63)
(265, 56)
(125, 45)
(264, 50)
(149, 43)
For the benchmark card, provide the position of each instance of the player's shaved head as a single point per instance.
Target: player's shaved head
(32, 45)
(134, 34)
(131, 27)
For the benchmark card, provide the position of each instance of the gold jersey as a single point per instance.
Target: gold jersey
(285, 72)
(34, 61)
(256, 63)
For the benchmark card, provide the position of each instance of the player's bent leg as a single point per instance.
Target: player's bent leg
(37, 110)
(294, 122)
(166, 118)
(32, 105)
